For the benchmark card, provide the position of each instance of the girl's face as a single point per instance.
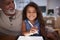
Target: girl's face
(31, 13)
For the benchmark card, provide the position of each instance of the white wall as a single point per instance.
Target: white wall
(40, 2)
(20, 5)
(52, 4)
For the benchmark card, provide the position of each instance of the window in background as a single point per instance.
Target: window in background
(43, 9)
(20, 4)
(50, 12)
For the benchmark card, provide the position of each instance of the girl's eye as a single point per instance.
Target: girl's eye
(29, 12)
(34, 11)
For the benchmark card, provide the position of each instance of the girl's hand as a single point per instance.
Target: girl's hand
(33, 30)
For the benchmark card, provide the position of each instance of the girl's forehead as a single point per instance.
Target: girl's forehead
(31, 8)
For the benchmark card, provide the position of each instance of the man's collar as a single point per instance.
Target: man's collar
(18, 13)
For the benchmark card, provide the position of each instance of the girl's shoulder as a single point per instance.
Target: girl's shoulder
(26, 20)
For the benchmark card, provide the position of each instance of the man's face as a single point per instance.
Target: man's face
(8, 6)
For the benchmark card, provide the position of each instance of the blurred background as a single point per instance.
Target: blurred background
(50, 10)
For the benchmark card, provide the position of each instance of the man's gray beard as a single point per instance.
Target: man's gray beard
(10, 11)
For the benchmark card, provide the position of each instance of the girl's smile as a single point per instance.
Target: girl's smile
(31, 13)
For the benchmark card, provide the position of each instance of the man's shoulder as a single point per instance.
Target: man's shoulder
(0, 12)
(18, 11)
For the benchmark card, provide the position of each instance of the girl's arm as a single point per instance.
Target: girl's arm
(24, 29)
(25, 32)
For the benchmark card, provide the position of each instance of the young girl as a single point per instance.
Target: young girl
(33, 23)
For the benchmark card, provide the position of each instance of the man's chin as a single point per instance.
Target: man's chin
(10, 14)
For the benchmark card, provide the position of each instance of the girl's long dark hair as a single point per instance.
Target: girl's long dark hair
(39, 16)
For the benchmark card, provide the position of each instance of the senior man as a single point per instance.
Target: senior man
(10, 18)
